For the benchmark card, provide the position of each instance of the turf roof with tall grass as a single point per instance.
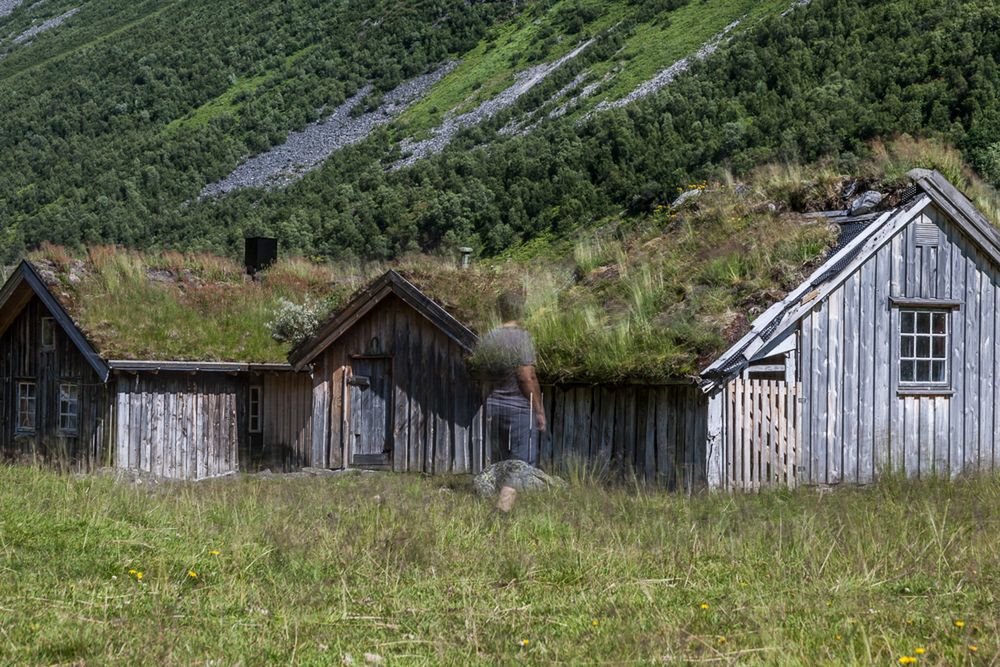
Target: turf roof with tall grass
(647, 298)
(166, 305)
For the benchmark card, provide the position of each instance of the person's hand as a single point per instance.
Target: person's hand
(540, 421)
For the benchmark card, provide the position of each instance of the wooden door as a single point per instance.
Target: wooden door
(370, 390)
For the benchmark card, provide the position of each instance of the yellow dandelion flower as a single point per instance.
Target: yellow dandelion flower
(722, 639)
(973, 648)
(959, 624)
(214, 552)
(192, 574)
(837, 637)
(920, 651)
(594, 622)
(525, 642)
(704, 605)
(907, 660)
(132, 572)
(138, 576)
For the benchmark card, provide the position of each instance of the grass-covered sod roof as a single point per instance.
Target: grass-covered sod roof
(643, 303)
(172, 306)
(632, 298)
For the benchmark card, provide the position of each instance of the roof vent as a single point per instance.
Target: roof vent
(926, 234)
(259, 253)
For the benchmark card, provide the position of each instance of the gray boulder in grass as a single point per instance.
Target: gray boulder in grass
(515, 474)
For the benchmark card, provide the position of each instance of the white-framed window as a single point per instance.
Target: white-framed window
(254, 409)
(923, 347)
(69, 407)
(26, 406)
(48, 333)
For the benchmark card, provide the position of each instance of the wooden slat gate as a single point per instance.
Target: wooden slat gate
(762, 433)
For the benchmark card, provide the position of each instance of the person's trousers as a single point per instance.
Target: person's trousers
(514, 426)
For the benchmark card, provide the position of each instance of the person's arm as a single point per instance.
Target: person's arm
(528, 382)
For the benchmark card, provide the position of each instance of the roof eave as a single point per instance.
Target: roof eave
(183, 366)
(792, 307)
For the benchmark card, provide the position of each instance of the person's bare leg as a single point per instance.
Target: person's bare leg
(508, 495)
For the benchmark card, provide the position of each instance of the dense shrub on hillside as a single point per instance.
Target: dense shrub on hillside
(87, 153)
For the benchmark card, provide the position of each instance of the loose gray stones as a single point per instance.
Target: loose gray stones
(866, 203)
(515, 474)
(689, 195)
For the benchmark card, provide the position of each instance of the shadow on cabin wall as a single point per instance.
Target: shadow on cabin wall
(275, 414)
(650, 434)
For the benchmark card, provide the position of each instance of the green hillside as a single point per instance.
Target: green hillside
(114, 122)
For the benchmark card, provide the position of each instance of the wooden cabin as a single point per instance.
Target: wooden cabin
(390, 371)
(884, 361)
(55, 400)
(391, 389)
(62, 401)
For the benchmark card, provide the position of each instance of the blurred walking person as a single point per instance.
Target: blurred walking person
(515, 403)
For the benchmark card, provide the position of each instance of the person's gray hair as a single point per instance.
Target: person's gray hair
(510, 305)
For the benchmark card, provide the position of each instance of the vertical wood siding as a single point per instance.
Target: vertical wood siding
(287, 421)
(439, 423)
(23, 358)
(856, 424)
(179, 426)
(434, 402)
(655, 433)
(192, 426)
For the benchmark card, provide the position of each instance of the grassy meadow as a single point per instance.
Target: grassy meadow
(419, 571)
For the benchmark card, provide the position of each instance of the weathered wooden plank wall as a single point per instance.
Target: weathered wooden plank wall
(434, 402)
(287, 421)
(439, 423)
(180, 426)
(22, 357)
(856, 421)
(656, 433)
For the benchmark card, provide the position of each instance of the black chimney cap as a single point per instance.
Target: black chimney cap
(260, 252)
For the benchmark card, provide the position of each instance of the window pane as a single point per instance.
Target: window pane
(923, 322)
(923, 347)
(923, 373)
(940, 347)
(940, 323)
(68, 406)
(938, 371)
(26, 405)
(906, 346)
(907, 321)
(906, 371)
(48, 333)
(255, 410)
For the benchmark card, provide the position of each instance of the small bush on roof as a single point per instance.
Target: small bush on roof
(293, 322)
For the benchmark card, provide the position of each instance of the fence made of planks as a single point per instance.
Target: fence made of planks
(654, 434)
(762, 420)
